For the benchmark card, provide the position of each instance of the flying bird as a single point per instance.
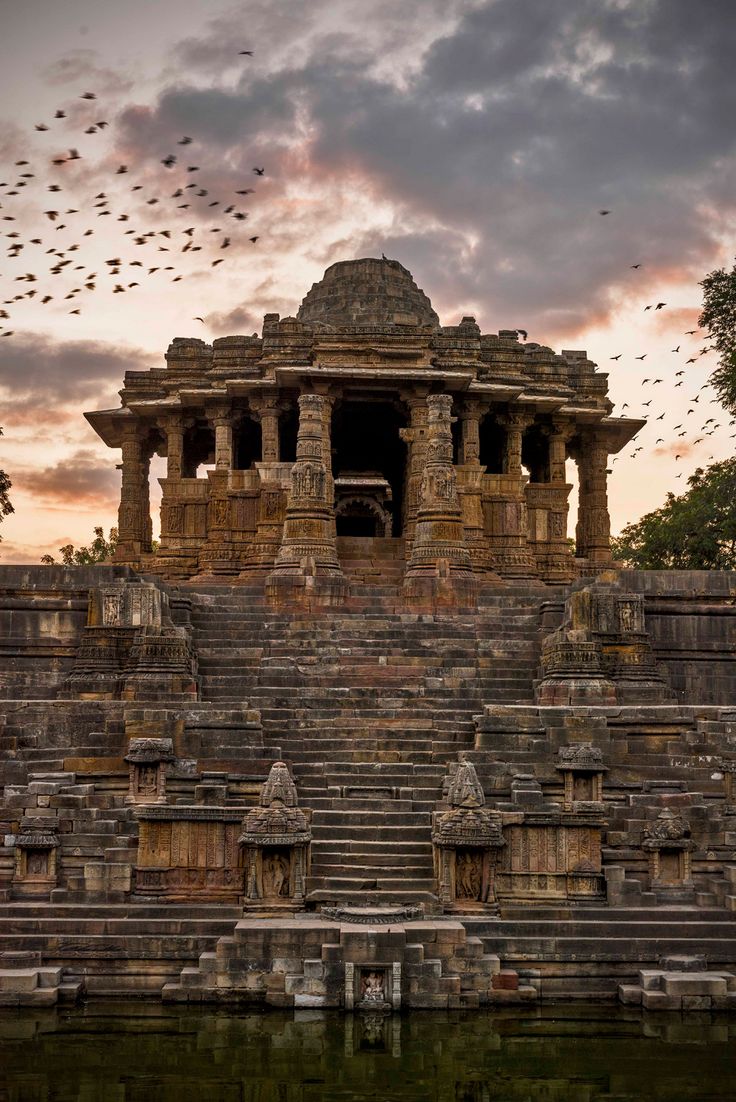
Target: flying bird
(604, 212)
(660, 305)
(617, 357)
(245, 53)
(636, 265)
(259, 171)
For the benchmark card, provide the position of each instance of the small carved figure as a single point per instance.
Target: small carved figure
(37, 864)
(373, 986)
(147, 779)
(275, 876)
(468, 877)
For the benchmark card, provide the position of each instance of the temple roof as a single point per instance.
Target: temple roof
(367, 292)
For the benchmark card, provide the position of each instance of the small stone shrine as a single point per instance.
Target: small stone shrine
(466, 840)
(275, 840)
(515, 760)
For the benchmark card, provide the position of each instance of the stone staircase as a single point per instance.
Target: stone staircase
(113, 949)
(369, 702)
(612, 943)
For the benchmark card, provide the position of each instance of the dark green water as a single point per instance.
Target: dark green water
(136, 1053)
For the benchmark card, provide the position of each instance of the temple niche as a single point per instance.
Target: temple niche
(466, 841)
(364, 418)
(275, 843)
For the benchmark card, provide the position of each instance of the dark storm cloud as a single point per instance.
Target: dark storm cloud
(80, 479)
(38, 372)
(499, 145)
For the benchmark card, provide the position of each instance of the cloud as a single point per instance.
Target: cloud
(680, 448)
(51, 378)
(513, 130)
(80, 479)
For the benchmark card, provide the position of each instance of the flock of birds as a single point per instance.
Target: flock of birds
(684, 429)
(56, 270)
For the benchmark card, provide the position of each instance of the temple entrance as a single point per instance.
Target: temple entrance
(368, 463)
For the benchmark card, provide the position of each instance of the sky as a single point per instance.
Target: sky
(475, 141)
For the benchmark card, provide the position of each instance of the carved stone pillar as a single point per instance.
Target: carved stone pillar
(469, 484)
(268, 410)
(470, 442)
(132, 528)
(547, 509)
(593, 533)
(222, 420)
(439, 567)
(416, 437)
(515, 425)
(174, 428)
(506, 519)
(307, 564)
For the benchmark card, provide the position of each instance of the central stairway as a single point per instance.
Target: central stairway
(369, 702)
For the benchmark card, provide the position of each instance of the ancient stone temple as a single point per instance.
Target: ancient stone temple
(362, 416)
(366, 729)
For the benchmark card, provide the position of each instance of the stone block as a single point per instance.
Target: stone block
(304, 1000)
(505, 980)
(18, 981)
(629, 994)
(659, 1000)
(694, 983)
(696, 1002)
(651, 980)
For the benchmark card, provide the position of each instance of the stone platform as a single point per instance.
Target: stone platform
(546, 777)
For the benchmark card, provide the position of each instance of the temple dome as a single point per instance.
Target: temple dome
(367, 292)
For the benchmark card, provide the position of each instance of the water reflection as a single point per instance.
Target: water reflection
(137, 1053)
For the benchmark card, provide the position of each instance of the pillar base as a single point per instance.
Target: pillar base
(441, 590)
(558, 691)
(306, 589)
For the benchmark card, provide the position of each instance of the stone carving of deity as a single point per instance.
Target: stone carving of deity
(468, 876)
(111, 609)
(37, 863)
(372, 986)
(148, 779)
(275, 876)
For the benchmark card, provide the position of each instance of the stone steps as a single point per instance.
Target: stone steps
(384, 695)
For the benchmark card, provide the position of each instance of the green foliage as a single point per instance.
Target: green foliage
(99, 550)
(719, 318)
(5, 505)
(696, 531)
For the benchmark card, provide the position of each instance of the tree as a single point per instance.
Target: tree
(5, 505)
(719, 318)
(696, 531)
(99, 550)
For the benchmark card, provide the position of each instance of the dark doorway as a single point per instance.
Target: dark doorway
(357, 524)
(365, 437)
(198, 450)
(535, 453)
(288, 429)
(492, 438)
(247, 444)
